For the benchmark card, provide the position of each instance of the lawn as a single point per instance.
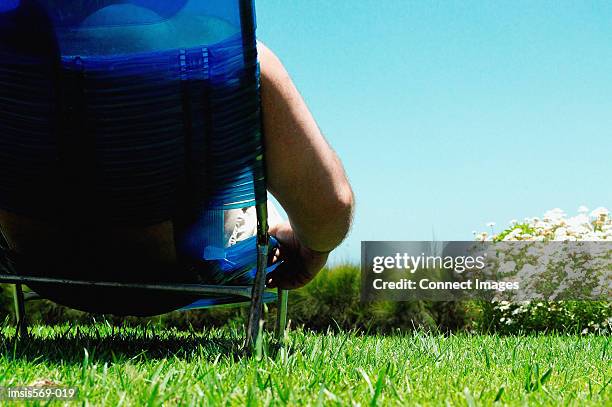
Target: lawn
(138, 365)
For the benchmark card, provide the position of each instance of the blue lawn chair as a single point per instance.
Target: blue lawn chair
(118, 116)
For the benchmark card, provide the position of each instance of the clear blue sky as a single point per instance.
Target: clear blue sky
(449, 115)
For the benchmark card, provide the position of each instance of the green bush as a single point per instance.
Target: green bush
(332, 300)
(541, 316)
(561, 316)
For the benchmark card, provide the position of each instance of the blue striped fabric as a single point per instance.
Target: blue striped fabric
(133, 113)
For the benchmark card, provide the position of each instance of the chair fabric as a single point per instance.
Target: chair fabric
(128, 114)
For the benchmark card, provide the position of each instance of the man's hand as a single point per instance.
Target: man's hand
(300, 264)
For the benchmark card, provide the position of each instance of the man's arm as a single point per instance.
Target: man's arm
(306, 177)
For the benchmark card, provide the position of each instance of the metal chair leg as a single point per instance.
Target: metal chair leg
(281, 318)
(20, 314)
(259, 285)
(256, 308)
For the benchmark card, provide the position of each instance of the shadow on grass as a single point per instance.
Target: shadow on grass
(72, 344)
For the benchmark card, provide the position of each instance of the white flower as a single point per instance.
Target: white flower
(554, 214)
(514, 235)
(561, 234)
(482, 236)
(601, 211)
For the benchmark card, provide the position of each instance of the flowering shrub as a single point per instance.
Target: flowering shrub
(568, 273)
(556, 226)
(539, 316)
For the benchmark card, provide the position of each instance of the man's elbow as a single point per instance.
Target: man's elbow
(343, 209)
(346, 200)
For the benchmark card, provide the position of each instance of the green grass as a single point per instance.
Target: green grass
(142, 365)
